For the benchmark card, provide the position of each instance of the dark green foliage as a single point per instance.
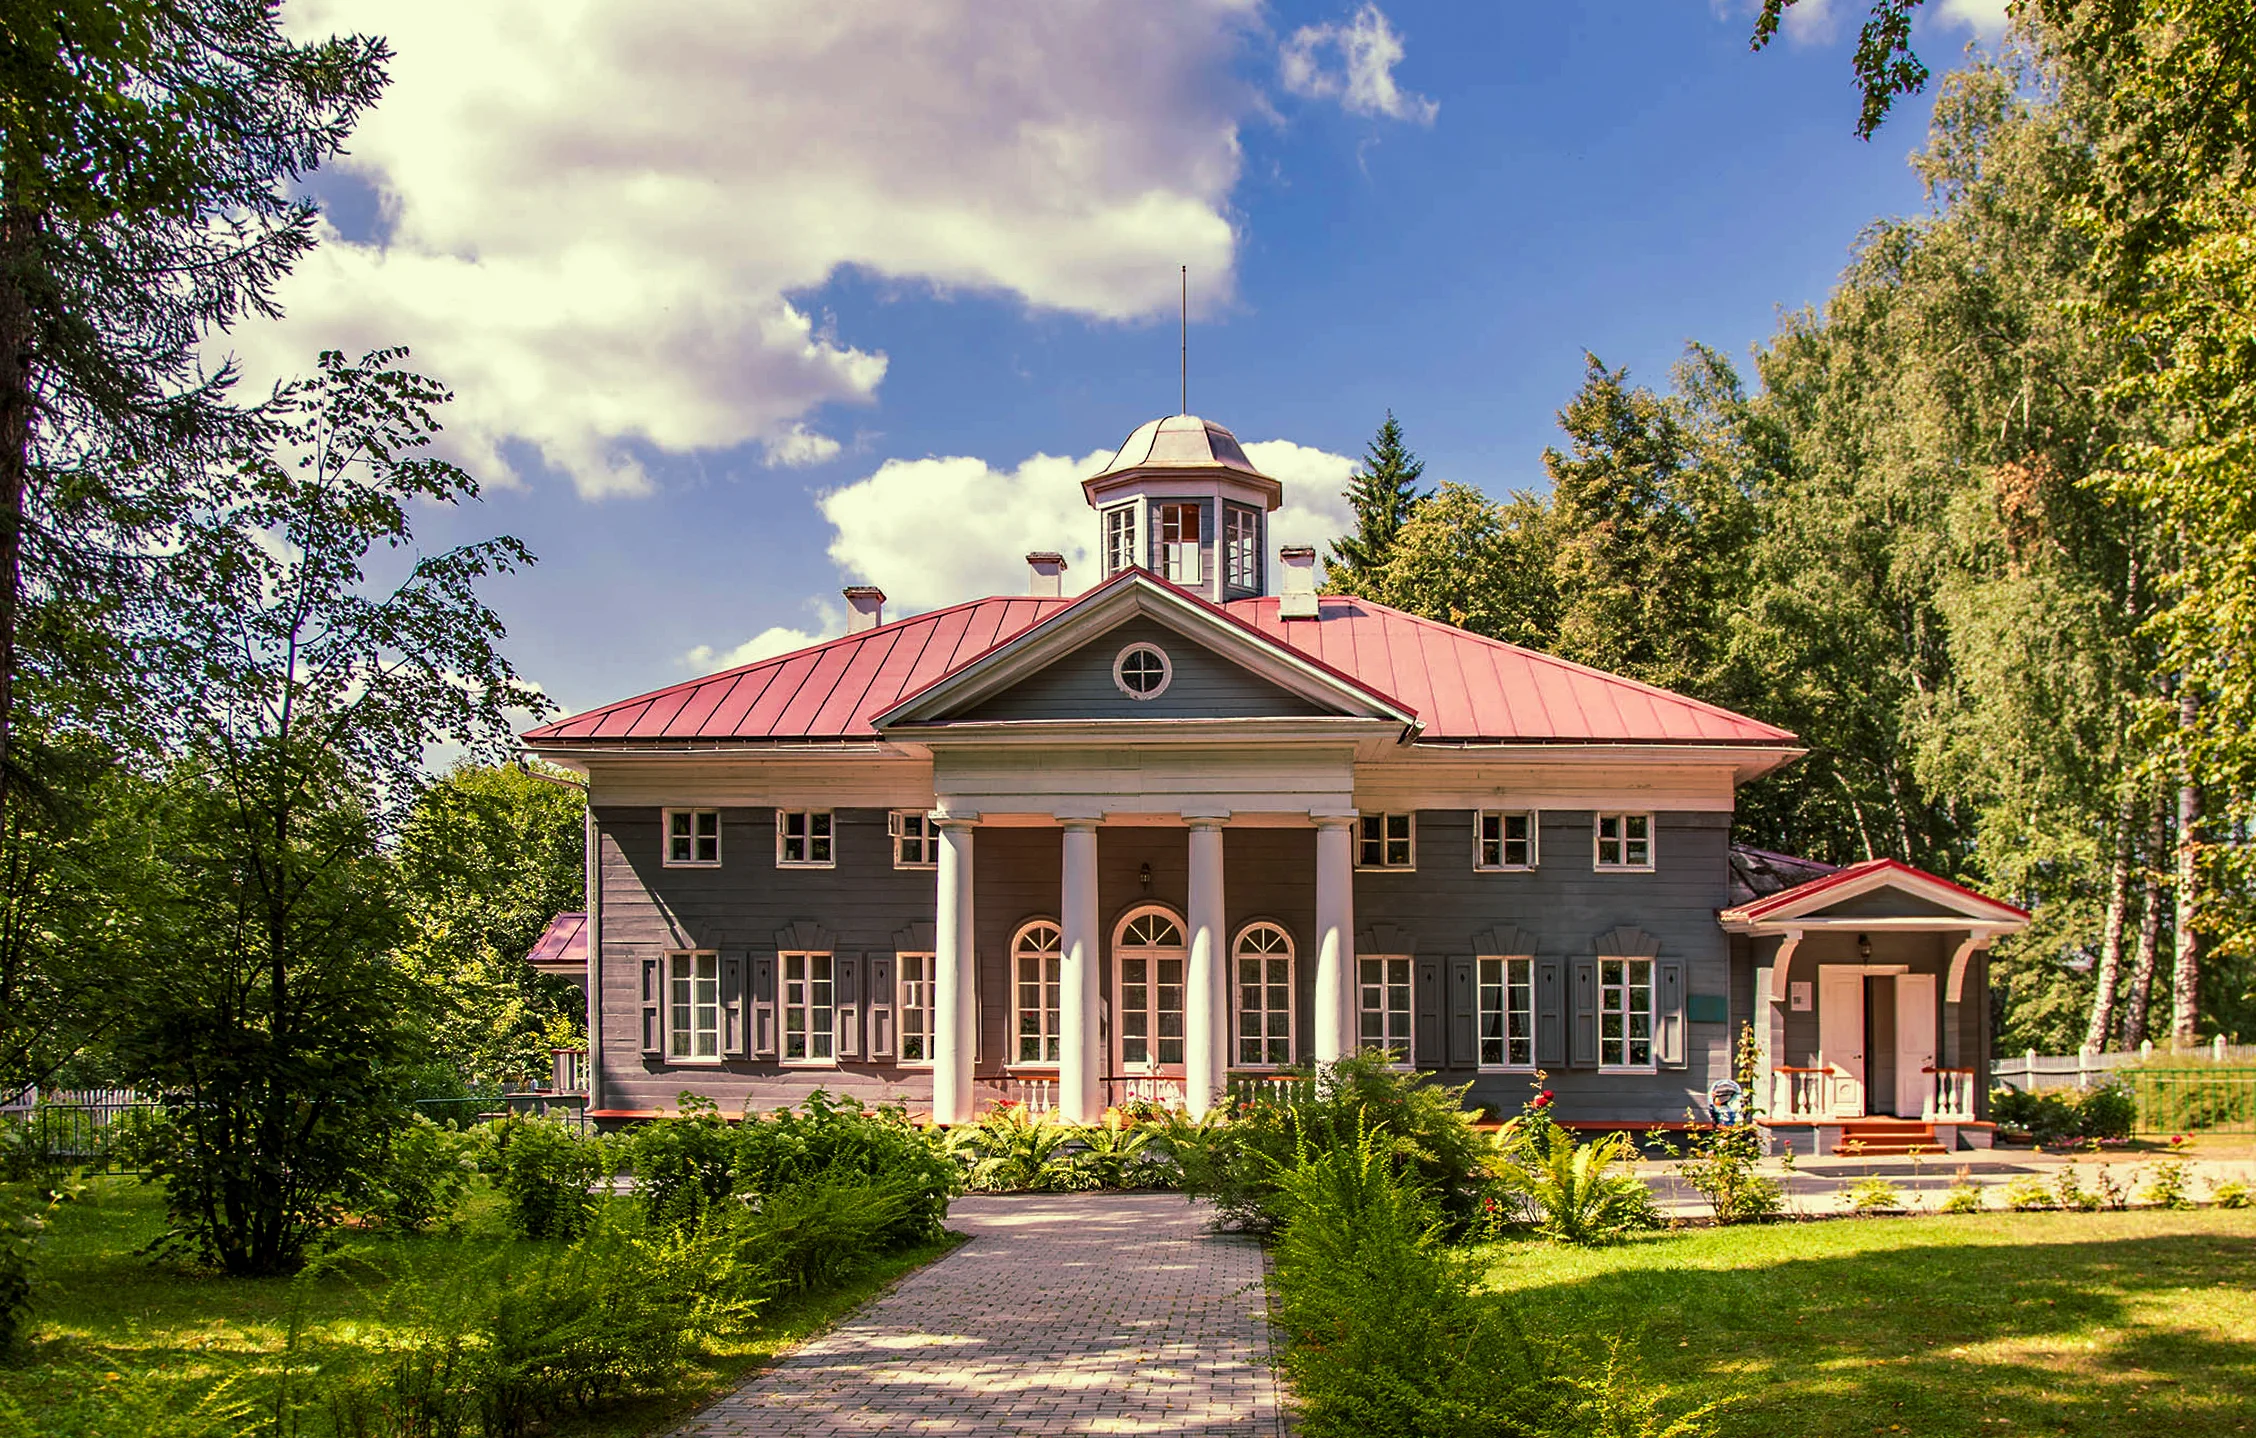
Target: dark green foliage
(20, 1226)
(1570, 1192)
(1237, 1161)
(1720, 1163)
(821, 1231)
(683, 1166)
(831, 1140)
(551, 1175)
(421, 1177)
(2061, 1115)
(1384, 493)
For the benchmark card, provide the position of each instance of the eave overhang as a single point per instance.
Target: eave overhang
(1801, 908)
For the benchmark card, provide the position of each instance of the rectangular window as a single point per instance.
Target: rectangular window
(915, 1005)
(1507, 1013)
(1625, 1013)
(1241, 562)
(803, 839)
(809, 1017)
(916, 840)
(1504, 839)
(693, 1006)
(1264, 1009)
(1386, 841)
(693, 838)
(1625, 841)
(1180, 534)
(1382, 1001)
(1037, 1006)
(1119, 538)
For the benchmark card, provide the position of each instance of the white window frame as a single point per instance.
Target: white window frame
(798, 995)
(912, 996)
(1240, 955)
(1387, 841)
(1623, 820)
(666, 838)
(693, 992)
(1182, 560)
(1503, 863)
(926, 838)
(827, 839)
(1389, 1017)
(1122, 533)
(1515, 979)
(1241, 540)
(1049, 984)
(1608, 1007)
(1120, 670)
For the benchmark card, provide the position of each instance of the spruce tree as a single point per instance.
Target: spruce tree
(1383, 492)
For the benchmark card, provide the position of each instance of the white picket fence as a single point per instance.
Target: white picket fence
(2032, 1070)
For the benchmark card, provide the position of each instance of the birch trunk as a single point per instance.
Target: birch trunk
(2150, 930)
(2111, 938)
(2185, 974)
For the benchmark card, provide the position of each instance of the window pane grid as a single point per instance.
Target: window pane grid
(1507, 1013)
(1120, 538)
(1037, 964)
(1180, 527)
(809, 1015)
(1385, 841)
(1625, 1013)
(1264, 997)
(1625, 841)
(1242, 562)
(916, 842)
(693, 836)
(693, 994)
(803, 836)
(915, 1002)
(1383, 1005)
(1506, 840)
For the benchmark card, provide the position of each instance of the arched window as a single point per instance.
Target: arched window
(1037, 956)
(1148, 956)
(1261, 965)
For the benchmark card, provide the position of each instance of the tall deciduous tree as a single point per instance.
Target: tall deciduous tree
(309, 692)
(1383, 492)
(147, 153)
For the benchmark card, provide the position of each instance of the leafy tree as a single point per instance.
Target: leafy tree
(487, 856)
(1384, 493)
(148, 149)
(1481, 566)
(310, 691)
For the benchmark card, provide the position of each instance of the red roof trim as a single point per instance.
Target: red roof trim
(1801, 893)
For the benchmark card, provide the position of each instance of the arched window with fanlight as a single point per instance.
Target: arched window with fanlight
(1148, 956)
(1037, 959)
(1261, 975)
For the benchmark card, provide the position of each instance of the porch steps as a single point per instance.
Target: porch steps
(1886, 1138)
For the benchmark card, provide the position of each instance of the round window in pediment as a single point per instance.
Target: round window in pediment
(1142, 671)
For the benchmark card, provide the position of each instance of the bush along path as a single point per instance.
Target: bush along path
(1065, 1313)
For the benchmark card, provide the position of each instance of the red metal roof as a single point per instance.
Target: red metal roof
(1464, 688)
(562, 946)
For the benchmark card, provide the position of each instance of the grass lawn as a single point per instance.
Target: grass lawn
(123, 1348)
(2110, 1324)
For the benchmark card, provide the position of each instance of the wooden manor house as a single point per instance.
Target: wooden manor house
(1201, 824)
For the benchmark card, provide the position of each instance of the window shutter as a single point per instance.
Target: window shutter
(1425, 1043)
(763, 1006)
(653, 1006)
(732, 1006)
(1668, 1012)
(847, 995)
(1583, 1049)
(1464, 1012)
(1550, 1015)
(878, 969)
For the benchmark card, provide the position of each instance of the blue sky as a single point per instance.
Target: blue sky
(741, 307)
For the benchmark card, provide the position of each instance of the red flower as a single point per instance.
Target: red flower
(1542, 1100)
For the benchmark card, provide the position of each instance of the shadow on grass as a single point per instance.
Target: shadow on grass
(2116, 1336)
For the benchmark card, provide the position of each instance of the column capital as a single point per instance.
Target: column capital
(1205, 821)
(1075, 824)
(954, 821)
(1335, 821)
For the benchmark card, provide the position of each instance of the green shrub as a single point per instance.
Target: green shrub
(819, 1233)
(1010, 1151)
(2061, 1115)
(1872, 1194)
(683, 1166)
(1567, 1191)
(1962, 1198)
(836, 1140)
(424, 1173)
(1720, 1163)
(1236, 1156)
(2168, 1185)
(2231, 1193)
(1124, 1154)
(549, 1174)
(2069, 1191)
(20, 1227)
(2027, 1193)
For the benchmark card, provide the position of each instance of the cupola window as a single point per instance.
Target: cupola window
(1180, 531)
(1241, 562)
(1119, 538)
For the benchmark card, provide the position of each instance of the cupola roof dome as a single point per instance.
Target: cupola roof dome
(1180, 441)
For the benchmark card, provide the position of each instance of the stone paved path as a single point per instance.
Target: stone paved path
(1064, 1314)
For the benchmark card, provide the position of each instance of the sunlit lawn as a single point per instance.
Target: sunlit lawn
(123, 1348)
(2109, 1324)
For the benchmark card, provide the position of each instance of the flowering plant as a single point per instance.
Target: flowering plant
(1541, 1100)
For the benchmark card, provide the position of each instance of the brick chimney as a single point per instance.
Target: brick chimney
(1296, 593)
(865, 607)
(1045, 578)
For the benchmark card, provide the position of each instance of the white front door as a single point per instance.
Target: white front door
(1915, 1042)
(1840, 1036)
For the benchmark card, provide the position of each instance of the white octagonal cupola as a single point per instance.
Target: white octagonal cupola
(1181, 499)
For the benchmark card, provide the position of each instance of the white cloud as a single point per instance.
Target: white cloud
(1984, 17)
(939, 531)
(767, 644)
(596, 214)
(1365, 51)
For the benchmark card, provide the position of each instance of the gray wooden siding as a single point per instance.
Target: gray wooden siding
(1565, 906)
(1885, 904)
(737, 908)
(1204, 685)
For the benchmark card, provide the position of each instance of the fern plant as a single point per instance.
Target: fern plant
(1573, 1192)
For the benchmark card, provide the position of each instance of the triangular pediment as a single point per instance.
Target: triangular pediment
(1879, 893)
(1069, 669)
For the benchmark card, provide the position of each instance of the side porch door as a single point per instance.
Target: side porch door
(1915, 1042)
(1840, 1036)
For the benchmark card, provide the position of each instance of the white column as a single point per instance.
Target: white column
(1335, 937)
(954, 1010)
(1206, 1026)
(1081, 1053)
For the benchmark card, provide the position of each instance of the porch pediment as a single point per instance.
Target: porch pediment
(1877, 894)
(1196, 663)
